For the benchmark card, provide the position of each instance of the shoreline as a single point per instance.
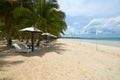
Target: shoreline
(112, 49)
(102, 47)
(101, 42)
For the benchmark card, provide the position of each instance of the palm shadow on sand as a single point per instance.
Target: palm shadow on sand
(57, 48)
(6, 63)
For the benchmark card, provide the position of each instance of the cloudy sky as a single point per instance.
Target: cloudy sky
(85, 18)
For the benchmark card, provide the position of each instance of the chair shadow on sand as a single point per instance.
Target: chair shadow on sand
(56, 47)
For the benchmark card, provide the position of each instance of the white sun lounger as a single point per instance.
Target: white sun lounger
(18, 48)
(26, 46)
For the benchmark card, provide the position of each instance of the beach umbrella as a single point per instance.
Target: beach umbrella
(53, 36)
(46, 34)
(32, 30)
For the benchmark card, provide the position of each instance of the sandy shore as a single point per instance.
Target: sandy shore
(103, 42)
(64, 60)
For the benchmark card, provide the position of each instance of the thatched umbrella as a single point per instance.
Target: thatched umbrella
(32, 30)
(46, 34)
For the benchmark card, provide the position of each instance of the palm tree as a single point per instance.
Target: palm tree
(6, 8)
(53, 19)
(43, 14)
(7, 16)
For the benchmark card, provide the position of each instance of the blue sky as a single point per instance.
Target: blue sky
(86, 17)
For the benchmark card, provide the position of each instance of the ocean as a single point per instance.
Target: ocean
(103, 41)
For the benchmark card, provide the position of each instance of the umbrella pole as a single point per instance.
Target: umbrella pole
(32, 40)
(46, 40)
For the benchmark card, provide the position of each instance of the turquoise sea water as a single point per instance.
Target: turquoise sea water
(104, 39)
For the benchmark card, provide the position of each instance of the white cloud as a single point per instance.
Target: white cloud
(71, 31)
(104, 25)
(75, 23)
(90, 7)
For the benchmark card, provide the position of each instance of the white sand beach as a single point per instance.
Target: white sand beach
(65, 59)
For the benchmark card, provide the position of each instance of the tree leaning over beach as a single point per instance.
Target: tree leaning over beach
(43, 14)
(7, 17)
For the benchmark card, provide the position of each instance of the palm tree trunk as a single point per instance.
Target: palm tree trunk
(9, 38)
(9, 42)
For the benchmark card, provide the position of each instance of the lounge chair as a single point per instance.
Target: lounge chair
(46, 43)
(27, 47)
(18, 48)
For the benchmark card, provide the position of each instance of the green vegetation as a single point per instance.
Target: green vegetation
(43, 14)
